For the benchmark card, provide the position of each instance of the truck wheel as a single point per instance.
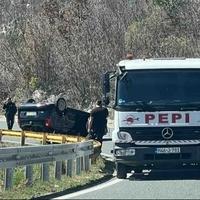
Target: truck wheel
(121, 171)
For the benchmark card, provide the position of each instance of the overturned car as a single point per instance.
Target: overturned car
(52, 118)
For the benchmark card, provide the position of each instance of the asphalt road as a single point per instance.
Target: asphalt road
(153, 185)
(4, 126)
(14, 139)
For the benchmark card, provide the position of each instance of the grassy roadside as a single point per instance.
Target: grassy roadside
(20, 191)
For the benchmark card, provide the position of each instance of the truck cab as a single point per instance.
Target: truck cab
(156, 114)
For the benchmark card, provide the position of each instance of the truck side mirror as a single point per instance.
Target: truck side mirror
(106, 100)
(106, 86)
(106, 83)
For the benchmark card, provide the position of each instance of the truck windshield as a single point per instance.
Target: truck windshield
(153, 88)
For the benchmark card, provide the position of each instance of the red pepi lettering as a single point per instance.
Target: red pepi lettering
(149, 117)
(175, 117)
(165, 118)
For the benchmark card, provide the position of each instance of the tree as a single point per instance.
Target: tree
(65, 46)
(164, 31)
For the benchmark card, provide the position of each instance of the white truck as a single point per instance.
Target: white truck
(156, 114)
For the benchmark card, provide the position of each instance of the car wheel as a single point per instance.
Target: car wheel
(121, 171)
(61, 104)
(31, 101)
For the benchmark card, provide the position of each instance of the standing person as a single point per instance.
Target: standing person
(97, 124)
(10, 111)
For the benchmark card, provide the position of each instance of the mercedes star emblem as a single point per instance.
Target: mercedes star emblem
(167, 133)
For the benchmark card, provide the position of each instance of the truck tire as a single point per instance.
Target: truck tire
(121, 171)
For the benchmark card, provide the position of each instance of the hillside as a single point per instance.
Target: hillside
(64, 46)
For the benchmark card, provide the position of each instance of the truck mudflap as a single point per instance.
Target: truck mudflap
(158, 157)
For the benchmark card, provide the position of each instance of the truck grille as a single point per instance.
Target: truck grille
(155, 133)
(167, 142)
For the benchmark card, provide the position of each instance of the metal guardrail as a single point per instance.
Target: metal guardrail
(64, 155)
(42, 135)
(20, 156)
(45, 137)
(71, 150)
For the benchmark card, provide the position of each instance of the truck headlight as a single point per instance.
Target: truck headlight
(125, 152)
(125, 136)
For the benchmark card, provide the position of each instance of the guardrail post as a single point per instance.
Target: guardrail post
(64, 162)
(22, 138)
(45, 166)
(58, 170)
(78, 166)
(69, 168)
(44, 138)
(78, 138)
(64, 139)
(82, 164)
(8, 178)
(29, 174)
(45, 172)
(1, 135)
(87, 163)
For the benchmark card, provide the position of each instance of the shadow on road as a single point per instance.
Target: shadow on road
(166, 175)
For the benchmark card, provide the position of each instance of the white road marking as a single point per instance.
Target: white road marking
(92, 189)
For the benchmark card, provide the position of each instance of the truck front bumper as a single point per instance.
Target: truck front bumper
(150, 158)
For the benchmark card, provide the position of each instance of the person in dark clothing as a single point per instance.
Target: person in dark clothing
(10, 111)
(97, 124)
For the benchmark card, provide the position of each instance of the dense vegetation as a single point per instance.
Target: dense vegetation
(63, 46)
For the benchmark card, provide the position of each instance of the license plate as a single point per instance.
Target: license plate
(31, 113)
(168, 150)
